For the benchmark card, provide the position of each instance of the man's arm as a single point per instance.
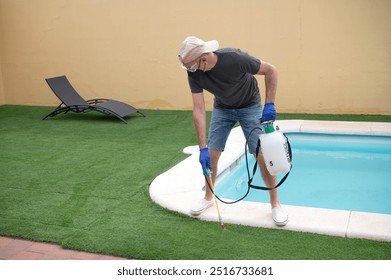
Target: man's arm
(271, 78)
(199, 118)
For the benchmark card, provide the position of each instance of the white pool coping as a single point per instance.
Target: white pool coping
(180, 187)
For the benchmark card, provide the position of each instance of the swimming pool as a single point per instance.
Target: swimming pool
(345, 172)
(180, 186)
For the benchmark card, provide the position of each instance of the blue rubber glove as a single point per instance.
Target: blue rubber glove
(205, 160)
(269, 112)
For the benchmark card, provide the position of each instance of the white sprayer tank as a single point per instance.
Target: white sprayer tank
(275, 150)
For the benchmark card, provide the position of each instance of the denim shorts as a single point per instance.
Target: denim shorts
(223, 120)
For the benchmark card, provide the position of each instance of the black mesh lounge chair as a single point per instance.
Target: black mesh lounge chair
(71, 101)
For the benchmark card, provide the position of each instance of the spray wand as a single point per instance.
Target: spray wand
(211, 185)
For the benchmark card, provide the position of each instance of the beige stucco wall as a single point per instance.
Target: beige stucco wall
(2, 96)
(333, 56)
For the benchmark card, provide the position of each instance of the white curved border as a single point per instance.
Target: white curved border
(180, 187)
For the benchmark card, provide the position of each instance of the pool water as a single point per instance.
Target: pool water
(346, 172)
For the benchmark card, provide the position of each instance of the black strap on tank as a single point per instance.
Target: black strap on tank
(250, 185)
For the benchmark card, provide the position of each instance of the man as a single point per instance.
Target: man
(228, 74)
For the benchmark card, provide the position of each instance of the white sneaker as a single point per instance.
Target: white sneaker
(280, 218)
(201, 206)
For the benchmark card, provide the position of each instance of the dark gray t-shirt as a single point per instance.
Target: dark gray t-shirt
(231, 80)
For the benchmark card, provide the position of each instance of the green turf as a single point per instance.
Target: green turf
(81, 180)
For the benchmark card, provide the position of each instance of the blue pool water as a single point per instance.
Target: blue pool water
(343, 172)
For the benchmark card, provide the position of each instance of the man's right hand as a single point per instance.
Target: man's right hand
(205, 160)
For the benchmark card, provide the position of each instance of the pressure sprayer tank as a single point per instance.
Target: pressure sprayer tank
(275, 149)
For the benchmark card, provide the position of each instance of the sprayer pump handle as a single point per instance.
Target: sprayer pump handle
(267, 122)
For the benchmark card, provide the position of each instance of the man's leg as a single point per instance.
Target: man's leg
(270, 181)
(214, 159)
(221, 124)
(279, 216)
(207, 201)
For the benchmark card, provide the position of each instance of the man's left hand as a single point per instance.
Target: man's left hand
(269, 112)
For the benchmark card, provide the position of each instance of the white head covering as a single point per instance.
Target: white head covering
(193, 47)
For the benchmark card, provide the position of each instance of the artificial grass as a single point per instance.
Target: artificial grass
(82, 181)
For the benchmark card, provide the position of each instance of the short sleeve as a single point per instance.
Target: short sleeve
(195, 86)
(248, 63)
